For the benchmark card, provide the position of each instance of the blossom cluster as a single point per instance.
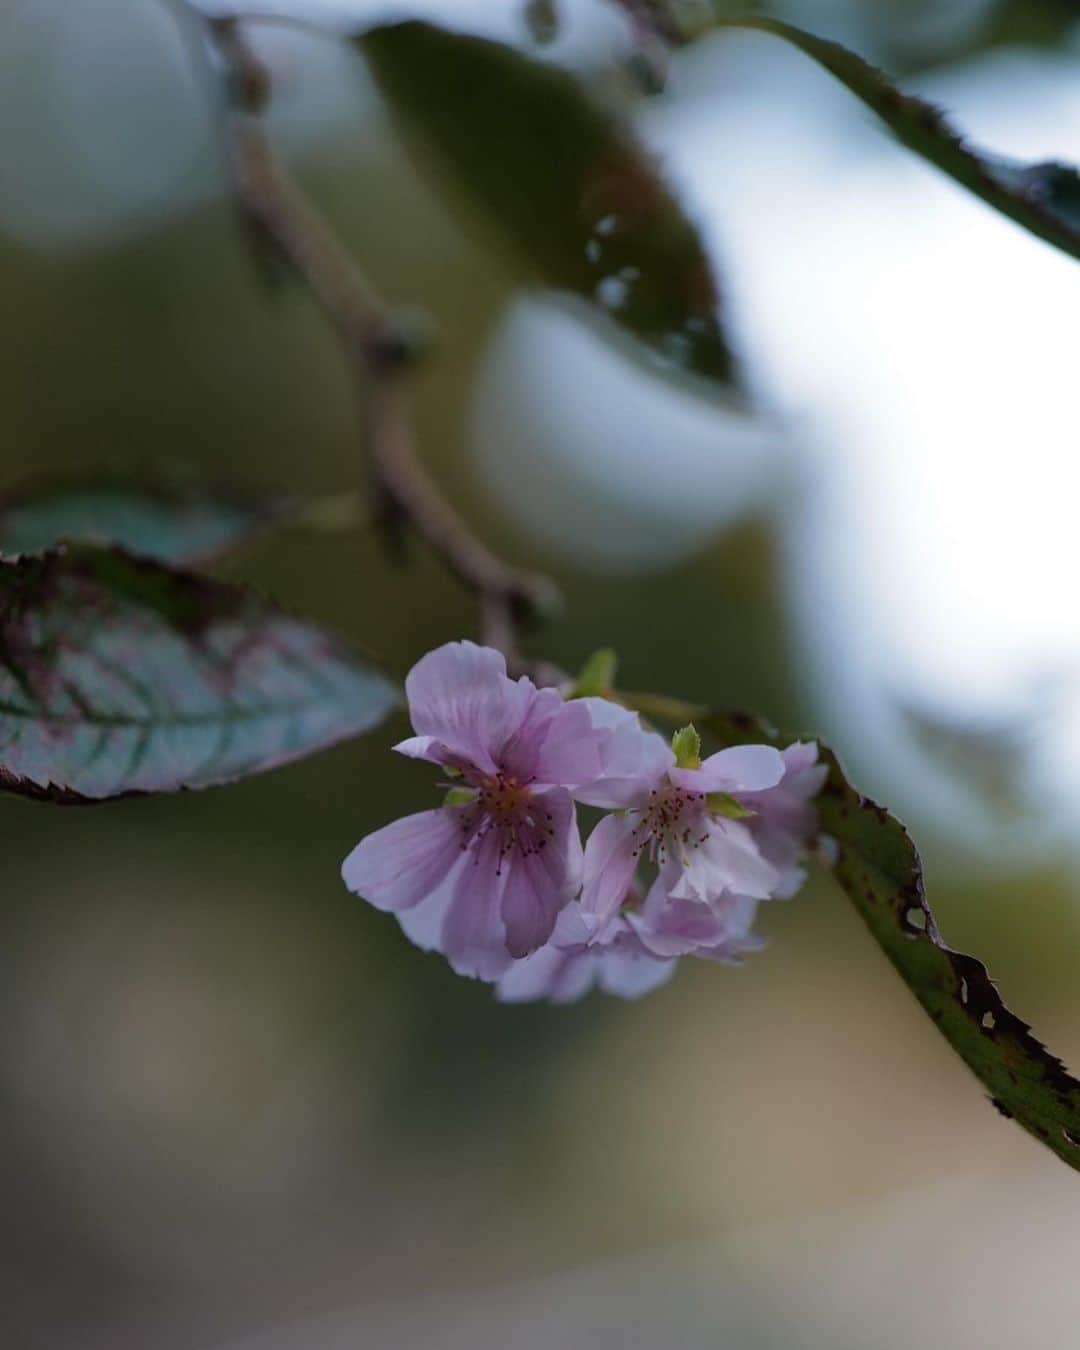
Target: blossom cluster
(496, 878)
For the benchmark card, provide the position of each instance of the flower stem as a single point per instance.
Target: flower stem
(379, 351)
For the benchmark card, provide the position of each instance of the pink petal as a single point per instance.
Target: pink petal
(399, 865)
(473, 936)
(680, 927)
(460, 695)
(634, 761)
(541, 882)
(610, 863)
(569, 752)
(741, 768)
(558, 976)
(629, 974)
(423, 924)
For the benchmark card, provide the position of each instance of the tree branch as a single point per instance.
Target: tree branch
(379, 351)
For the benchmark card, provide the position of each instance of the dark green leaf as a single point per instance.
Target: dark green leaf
(121, 675)
(566, 187)
(1044, 198)
(170, 518)
(878, 867)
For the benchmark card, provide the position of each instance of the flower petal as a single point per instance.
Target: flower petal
(550, 973)
(473, 935)
(728, 859)
(610, 863)
(740, 768)
(631, 974)
(569, 752)
(423, 924)
(634, 760)
(543, 877)
(785, 818)
(678, 927)
(399, 865)
(460, 695)
(424, 747)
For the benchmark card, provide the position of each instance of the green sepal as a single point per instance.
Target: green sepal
(724, 804)
(459, 796)
(686, 744)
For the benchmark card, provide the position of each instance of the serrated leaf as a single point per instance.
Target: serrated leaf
(567, 188)
(1044, 198)
(878, 866)
(120, 675)
(170, 518)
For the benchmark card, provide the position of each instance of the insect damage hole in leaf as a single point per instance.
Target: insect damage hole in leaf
(119, 675)
(564, 186)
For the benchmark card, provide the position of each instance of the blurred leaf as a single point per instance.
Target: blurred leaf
(571, 192)
(167, 517)
(120, 675)
(1013, 23)
(988, 757)
(1044, 198)
(878, 866)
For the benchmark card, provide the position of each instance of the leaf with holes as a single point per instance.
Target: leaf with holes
(170, 517)
(878, 866)
(568, 190)
(1044, 198)
(119, 675)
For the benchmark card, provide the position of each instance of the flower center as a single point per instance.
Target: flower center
(502, 796)
(670, 824)
(507, 809)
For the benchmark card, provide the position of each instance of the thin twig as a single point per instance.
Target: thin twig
(378, 350)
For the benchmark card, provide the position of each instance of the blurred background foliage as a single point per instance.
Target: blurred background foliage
(235, 1099)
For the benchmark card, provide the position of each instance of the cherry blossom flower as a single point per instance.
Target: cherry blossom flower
(722, 835)
(483, 878)
(679, 816)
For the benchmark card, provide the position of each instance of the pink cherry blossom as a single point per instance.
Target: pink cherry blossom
(663, 816)
(484, 879)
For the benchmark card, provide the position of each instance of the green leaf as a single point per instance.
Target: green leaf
(878, 866)
(119, 675)
(1044, 198)
(567, 189)
(169, 518)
